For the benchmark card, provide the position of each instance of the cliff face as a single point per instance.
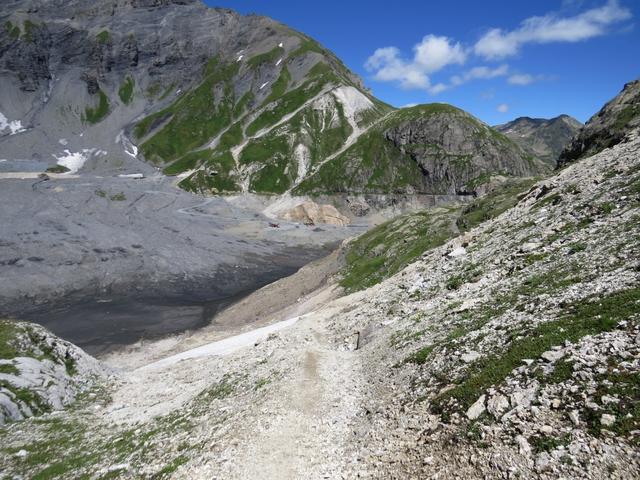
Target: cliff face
(606, 128)
(543, 138)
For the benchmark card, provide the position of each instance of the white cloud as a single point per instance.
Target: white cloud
(503, 108)
(480, 73)
(435, 53)
(438, 88)
(476, 73)
(488, 94)
(430, 55)
(497, 43)
(521, 79)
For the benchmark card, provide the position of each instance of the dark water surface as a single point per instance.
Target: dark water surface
(102, 324)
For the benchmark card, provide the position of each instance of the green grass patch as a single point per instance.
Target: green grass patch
(12, 30)
(194, 118)
(370, 165)
(118, 197)
(272, 177)
(623, 384)
(242, 104)
(126, 90)
(388, 248)
(287, 103)
(96, 114)
(420, 356)
(103, 37)
(543, 443)
(37, 404)
(172, 467)
(265, 149)
(9, 332)
(29, 28)
(279, 87)
(216, 177)
(57, 169)
(494, 203)
(9, 369)
(271, 56)
(232, 137)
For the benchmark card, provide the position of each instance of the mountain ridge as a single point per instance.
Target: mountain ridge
(542, 137)
(226, 103)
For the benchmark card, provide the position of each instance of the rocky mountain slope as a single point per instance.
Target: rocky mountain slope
(226, 103)
(606, 128)
(511, 351)
(540, 137)
(434, 149)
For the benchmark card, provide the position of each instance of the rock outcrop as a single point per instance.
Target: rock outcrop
(40, 372)
(543, 138)
(606, 128)
(310, 213)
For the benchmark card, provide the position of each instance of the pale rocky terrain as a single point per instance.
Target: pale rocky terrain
(508, 352)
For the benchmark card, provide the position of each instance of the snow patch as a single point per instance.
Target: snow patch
(63, 142)
(15, 126)
(225, 346)
(239, 58)
(280, 44)
(74, 160)
(131, 175)
(278, 62)
(263, 85)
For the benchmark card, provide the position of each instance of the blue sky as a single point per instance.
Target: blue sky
(496, 59)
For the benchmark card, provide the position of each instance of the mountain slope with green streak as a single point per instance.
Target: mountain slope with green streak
(235, 131)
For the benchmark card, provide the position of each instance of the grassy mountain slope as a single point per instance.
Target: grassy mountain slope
(236, 131)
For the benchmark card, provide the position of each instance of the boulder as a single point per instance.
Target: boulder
(477, 408)
(310, 213)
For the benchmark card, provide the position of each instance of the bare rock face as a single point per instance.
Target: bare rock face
(543, 138)
(606, 128)
(40, 372)
(453, 149)
(310, 213)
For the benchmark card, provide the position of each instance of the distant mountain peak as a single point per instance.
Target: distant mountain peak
(543, 138)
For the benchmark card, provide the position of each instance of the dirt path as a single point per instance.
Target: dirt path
(307, 425)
